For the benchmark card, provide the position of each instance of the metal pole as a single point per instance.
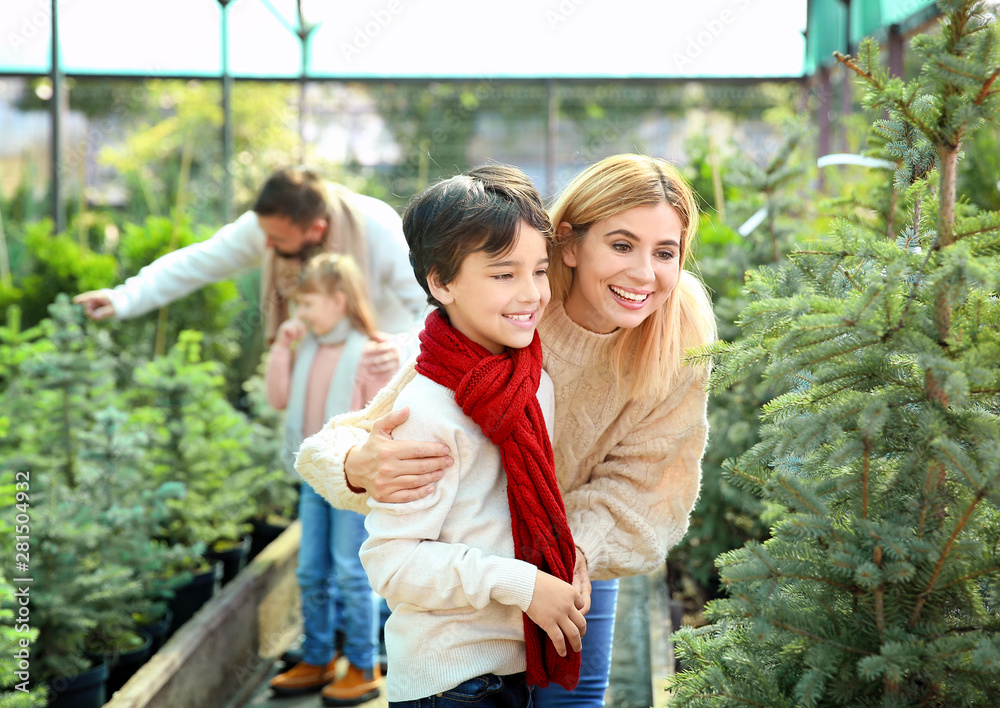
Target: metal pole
(845, 93)
(896, 39)
(551, 128)
(303, 33)
(227, 119)
(55, 108)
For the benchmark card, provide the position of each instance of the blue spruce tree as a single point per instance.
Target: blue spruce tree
(879, 584)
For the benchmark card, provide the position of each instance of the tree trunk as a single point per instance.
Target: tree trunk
(946, 195)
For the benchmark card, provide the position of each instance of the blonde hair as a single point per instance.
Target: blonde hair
(652, 354)
(330, 273)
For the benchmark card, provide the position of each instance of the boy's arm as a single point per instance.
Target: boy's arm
(406, 563)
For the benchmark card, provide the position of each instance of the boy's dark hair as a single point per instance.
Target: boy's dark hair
(479, 210)
(295, 192)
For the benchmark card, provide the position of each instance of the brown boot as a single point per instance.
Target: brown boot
(357, 686)
(303, 678)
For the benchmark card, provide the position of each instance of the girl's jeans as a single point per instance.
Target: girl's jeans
(595, 665)
(486, 691)
(329, 567)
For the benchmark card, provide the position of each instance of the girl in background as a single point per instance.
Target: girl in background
(331, 371)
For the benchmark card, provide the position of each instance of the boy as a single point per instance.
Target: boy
(460, 566)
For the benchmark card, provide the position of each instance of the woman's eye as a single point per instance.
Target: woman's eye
(503, 276)
(542, 273)
(664, 255)
(621, 247)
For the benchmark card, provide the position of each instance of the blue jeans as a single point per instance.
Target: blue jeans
(486, 691)
(330, 570)
(595, 664)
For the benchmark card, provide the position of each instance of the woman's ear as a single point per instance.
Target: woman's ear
(440, 292)
(564, 233)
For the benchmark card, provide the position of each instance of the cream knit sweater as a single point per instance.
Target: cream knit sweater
(445, 563)
(629, 468)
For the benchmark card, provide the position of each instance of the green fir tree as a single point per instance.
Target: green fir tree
(879, 584)
(198, 439)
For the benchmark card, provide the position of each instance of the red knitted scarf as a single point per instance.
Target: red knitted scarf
(499, 392)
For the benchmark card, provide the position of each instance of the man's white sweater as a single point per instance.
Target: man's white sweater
(398, 299)
(446, 563)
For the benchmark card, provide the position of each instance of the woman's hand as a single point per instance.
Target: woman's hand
(395, 471)
(581, 580)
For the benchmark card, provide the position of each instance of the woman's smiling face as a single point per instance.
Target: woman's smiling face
(624, 268)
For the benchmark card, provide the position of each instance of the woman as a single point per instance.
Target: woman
(630, 425)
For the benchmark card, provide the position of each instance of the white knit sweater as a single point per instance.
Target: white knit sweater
(445, 563)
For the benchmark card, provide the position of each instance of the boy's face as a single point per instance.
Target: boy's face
(496, 301)
(321, 312)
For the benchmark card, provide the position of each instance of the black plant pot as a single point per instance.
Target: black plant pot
(85, 690)
(262, 534)
(233, 558)
(158, 631)
(127, 663)
(189, 598)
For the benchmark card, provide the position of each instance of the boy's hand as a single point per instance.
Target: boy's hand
(395, 471)
(290, 332)
(556, 608)
(581, 580)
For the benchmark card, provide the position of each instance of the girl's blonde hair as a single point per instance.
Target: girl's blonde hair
(652, 353)
(330, 273)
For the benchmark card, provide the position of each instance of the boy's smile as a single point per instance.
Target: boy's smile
(496, 301)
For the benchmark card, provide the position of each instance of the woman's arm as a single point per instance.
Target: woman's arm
(390, 470)
(637, 502)
(403, 556)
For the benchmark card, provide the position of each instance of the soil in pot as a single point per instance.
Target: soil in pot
(263, 532)
(232, 555)
(127, 662)
(189, 598)
(158, 630)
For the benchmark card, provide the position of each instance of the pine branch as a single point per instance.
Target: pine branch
(947, 68)
(962, 235)
(970, 576)
(723, 694)
(985, 91)
(901, 106)
(922, 597)
(864, 481)
(912, 296)
(850, 278)
(810, 635)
